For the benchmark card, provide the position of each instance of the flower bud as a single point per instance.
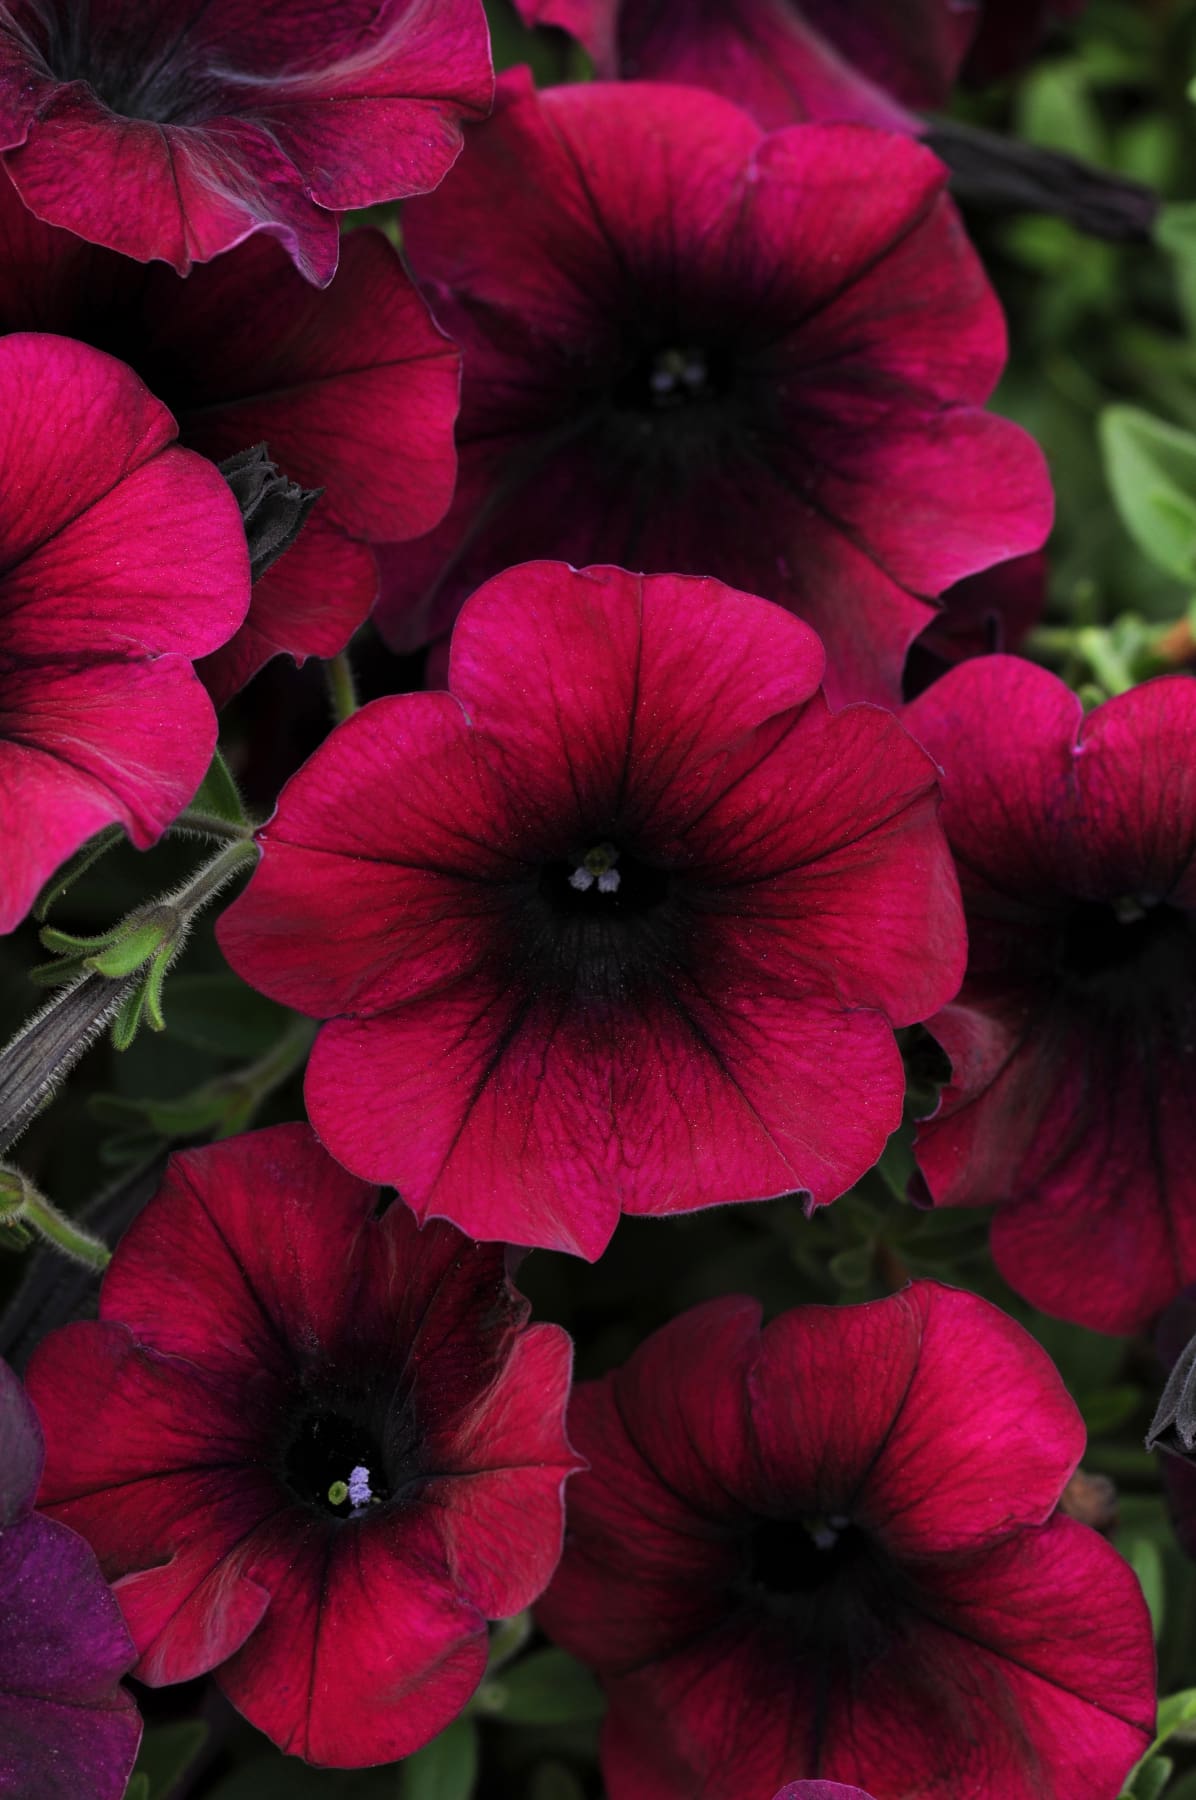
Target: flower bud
(274, 508)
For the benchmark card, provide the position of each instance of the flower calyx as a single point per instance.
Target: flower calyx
(274, 509)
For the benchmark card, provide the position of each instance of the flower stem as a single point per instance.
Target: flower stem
(342, 688)
(22, 1203)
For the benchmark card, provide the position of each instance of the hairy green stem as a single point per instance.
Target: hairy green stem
(22, 1203)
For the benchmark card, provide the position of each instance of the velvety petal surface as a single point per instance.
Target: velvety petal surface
(121, 558)
(834, 323)
(67, 1728)
(21, 1454)
(261, 1301)
(194, 133)
(1071, 1041)
(491, 1065)
(353, 389)
(935, 1630)
(781, 62)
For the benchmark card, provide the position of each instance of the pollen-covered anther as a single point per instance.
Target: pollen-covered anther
(597, 869)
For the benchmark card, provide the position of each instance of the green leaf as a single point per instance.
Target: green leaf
(1175, 1711)
(445, 1769)
(1153, 1779)
(166, 1754)
(220, 1014)
(546, 1688)
(1109, 1408)
(553, 1781)
(1056, 110)
(218, 794)
(138, 1788)
(1151, 469)
(1144, 1557)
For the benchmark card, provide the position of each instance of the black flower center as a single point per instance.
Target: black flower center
(793, 1557)
(1129, 953)
(149, 73)
(336, 1464)
(603, 882)
(664, 380)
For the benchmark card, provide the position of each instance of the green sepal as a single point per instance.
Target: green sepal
(130, 949)
(127, 1020)
(218, 794)
(154, 1016)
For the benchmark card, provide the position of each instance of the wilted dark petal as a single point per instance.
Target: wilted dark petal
(67, 1728)
(20, 1449)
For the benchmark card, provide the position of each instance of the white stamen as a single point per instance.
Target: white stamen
(581, 879)
(608, 881)
(360, 1491)
(824, 1536)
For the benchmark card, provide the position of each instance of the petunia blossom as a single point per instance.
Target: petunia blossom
(314, 1447)
(1073, 1040)
(67, 1727)
(874, 62)
(831, 1548)
(354, 391)
(172, 130)
(692, 347)
(122, 558)
(625, 920)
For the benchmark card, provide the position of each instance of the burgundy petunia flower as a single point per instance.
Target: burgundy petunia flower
(173, 129)
(832, 1546)
(989, 612)
(354, 390)
(121, 559)
(625, 920)
(692, 347)
(67, 1727)
(315, 1447)
(874, 62)
(1073, 1040)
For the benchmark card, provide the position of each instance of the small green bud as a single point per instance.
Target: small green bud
(130, 948)
(338, 1493)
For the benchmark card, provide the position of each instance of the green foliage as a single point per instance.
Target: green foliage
(167, 1752)
(546, 1688)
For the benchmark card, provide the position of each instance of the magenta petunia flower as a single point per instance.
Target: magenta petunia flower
(67, 1727)
(315, 1447)
(869, 61)
(1073, 1040)
(173, 129)
(121, 559)
(688, 346)
(625, 920)
(354, 390)
(831, 1546)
